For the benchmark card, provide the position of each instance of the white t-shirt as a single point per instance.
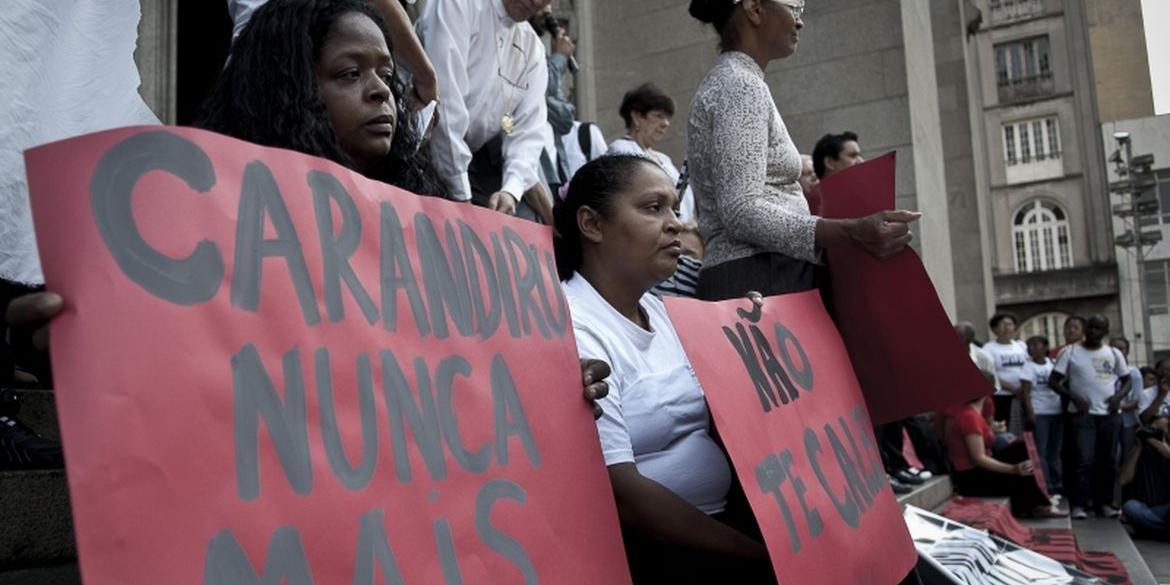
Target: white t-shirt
(686, 207)
(1092, 374)
(1009, 364)
(983, 360)
(1044, 400)
(1146, 398)
(574, 158)
(655, 414)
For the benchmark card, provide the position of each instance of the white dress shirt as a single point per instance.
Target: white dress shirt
(488, 65)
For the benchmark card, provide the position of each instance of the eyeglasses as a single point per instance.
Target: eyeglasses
(796, 6)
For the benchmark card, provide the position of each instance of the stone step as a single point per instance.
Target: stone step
(66, 574)
(38, 410)
(929, 496)
(1105, 534)
(36, 525)
(1157, 556)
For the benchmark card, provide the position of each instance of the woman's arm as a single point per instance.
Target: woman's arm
(1129, 467)
(662, 515)
(881, 234)
(1026, 399)
(409, 51)
(978, 454)
(1148, 415)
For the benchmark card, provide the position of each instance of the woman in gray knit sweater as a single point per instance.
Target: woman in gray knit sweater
(745, 170)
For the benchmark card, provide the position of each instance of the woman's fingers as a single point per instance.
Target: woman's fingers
(29, 309)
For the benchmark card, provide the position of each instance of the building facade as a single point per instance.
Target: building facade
(993, 107)
(1048, 204)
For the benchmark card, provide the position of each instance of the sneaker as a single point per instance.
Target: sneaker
(899, 488)
(921, 473)
(904, 476)
(1048, 512)
(21, 447)
(1078, 513)
(1109, 512)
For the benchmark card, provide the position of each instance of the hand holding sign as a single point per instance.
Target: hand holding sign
(34, 310)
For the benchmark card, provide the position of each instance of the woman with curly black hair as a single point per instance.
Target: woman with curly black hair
(318, 77)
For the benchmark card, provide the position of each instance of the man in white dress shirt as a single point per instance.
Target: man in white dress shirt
(492, 74)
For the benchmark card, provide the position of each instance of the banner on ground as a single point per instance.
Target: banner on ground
(902, 343)
(271, 369)
(789, 411)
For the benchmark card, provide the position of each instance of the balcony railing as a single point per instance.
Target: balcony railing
(1026, 88)
(1009, 10)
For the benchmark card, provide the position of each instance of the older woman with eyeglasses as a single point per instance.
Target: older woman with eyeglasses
(745, 170)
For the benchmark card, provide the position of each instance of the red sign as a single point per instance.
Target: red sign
(901, 341)
(790, 413)
(1037, 462)
(271, 369)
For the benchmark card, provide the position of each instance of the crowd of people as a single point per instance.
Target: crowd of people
(1089, 413)
(468, 103)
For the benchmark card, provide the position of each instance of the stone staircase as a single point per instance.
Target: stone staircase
(36, 528)
(37, 546)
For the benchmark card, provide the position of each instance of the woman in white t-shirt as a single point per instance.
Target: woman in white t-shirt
(618, 236)
(1044, 414)
(1010, 355)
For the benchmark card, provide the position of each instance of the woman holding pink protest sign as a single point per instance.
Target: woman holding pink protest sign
(618, 236)
(336, 93)
(745, 169)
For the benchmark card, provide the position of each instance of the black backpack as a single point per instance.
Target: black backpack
(585, 139)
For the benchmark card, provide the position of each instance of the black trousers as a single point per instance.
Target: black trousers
(922, 435)
(1003, 407)
(768, 274)
(1095, 442)
(652, 562)
(486, 170)
(1023, 491)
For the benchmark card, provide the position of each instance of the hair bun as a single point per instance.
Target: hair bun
(705, 10)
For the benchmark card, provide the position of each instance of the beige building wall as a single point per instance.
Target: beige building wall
(850, 73)
(1121, 66)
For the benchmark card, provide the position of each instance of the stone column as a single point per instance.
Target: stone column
(157, 56)
(586, 83)
(930, 180)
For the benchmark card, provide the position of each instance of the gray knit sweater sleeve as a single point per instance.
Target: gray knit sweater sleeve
(745, 168)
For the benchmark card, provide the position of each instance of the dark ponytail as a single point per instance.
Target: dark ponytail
(594, 186)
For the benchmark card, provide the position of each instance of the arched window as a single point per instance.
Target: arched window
(1050, 325)
(1040, 238)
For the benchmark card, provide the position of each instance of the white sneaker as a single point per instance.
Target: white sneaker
(921, 473)
(1055, 500)
(1109, 512)
(1078, 513)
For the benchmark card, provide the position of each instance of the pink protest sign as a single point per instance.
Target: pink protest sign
(271, 369)
(789, 411)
